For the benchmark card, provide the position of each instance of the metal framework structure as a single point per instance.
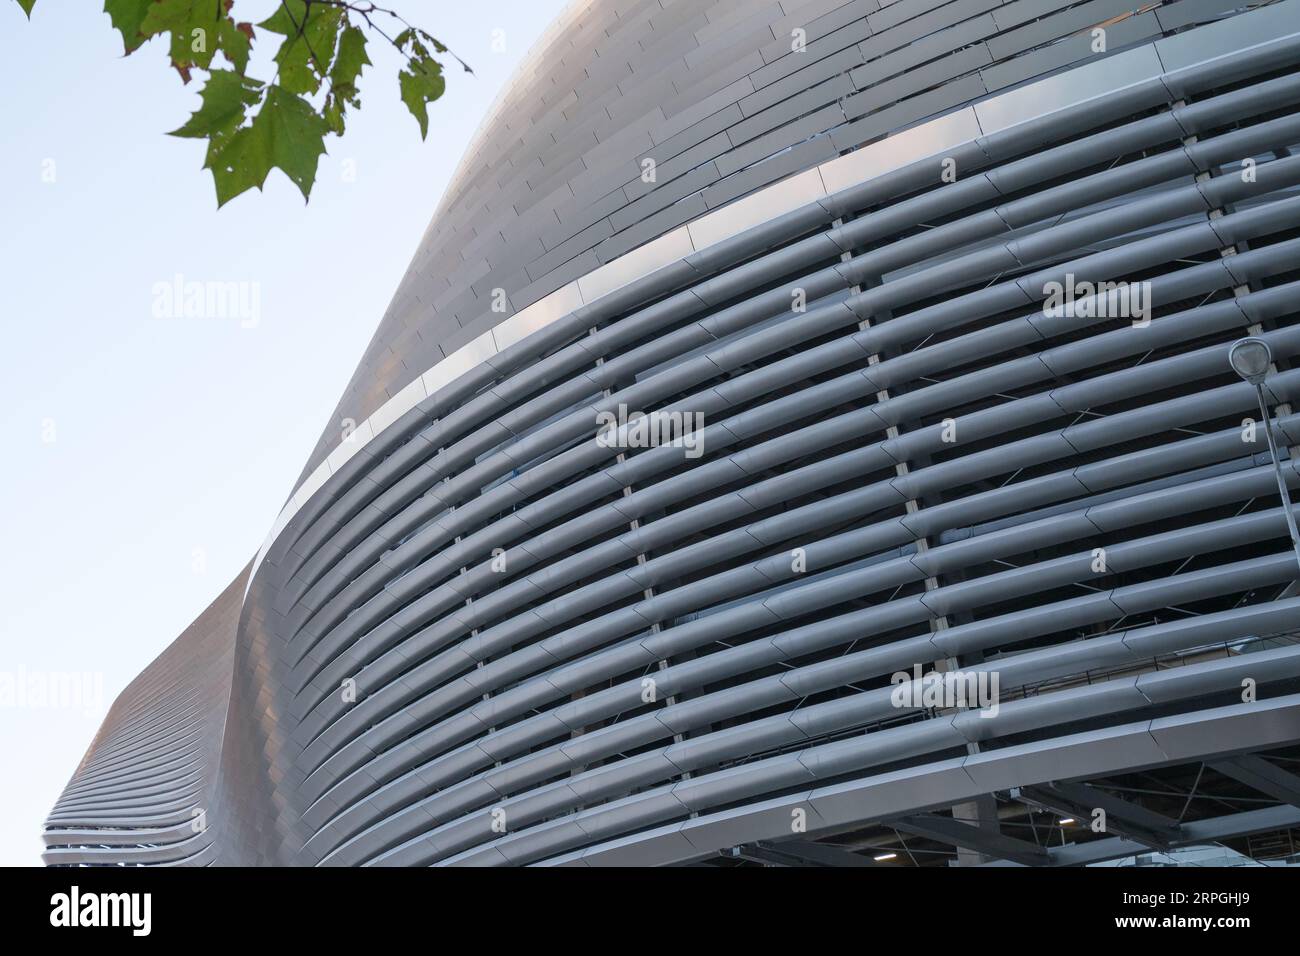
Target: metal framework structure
(826, 231)
(1227, 802)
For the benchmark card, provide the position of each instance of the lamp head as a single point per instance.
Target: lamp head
(1250, 358)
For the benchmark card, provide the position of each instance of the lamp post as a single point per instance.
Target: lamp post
(1250, 358)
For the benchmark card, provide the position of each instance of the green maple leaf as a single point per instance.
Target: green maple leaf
(421, 83)
(287, 18)
(410, 38)
(350, 61)
(311, 34)
(414, 38)
(297, 136)
(287, 133)
(27, 7)
(343, 77)
(226, 99)
(238, 163)
(198, 29)
(236, 42)
(194, 26)
(127, 17)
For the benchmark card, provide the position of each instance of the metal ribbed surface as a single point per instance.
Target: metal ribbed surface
(142, 793)
(712, 92)
(499, 585)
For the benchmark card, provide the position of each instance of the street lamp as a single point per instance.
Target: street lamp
(1250, 358)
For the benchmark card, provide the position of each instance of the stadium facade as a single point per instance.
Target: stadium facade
(938, 298)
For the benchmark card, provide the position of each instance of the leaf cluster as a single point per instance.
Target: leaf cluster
(254, 126)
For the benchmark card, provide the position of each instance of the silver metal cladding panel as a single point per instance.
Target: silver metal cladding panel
(552, 185)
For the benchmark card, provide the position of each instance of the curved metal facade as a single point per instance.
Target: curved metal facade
(139, 795)
(482, 635)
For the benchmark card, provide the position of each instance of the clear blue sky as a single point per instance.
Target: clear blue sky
(144, 459)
